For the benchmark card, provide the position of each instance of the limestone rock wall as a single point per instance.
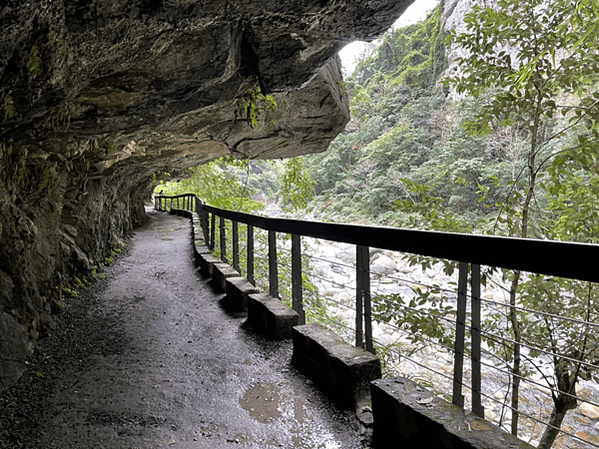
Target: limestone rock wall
(453, 16)
(99, 98)
(454, 12)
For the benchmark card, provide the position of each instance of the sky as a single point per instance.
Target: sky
(417, 11)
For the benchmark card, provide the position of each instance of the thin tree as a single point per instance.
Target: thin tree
(531, 53)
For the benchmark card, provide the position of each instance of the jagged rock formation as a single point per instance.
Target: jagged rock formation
(454, 12)
(98, 98)
(453, 20)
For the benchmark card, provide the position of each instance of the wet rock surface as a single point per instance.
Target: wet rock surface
(147, 358)
(101, 100)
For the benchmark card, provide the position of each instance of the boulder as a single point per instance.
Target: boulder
(589, 410)
(14, 339)
(382, 265)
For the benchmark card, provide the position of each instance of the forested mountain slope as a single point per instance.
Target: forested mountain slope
(405, 127)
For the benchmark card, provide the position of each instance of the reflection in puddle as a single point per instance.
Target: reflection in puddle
(265, 402)
(262, 402)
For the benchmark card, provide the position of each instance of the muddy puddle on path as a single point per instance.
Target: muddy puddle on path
(262, 402)
(267, 403)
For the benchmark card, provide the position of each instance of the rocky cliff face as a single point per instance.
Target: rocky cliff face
(98, 98)
(453, 18)
(454, 12)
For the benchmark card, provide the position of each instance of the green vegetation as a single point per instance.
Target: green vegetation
(95, 273)
(399, 115)
(7, 105)
(48, 180)
(243, 185)
(221, 183)
(81, 283)
(112, 148)
(506, 145)
(63, 289)
(23, 178)
(255, 103)
(554, 72)
(13, 167)
(60, 117)
(34, 65)
(58, 45)
(297, 188)
(516, 155)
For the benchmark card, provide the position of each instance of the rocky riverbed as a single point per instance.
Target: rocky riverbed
(334, 268)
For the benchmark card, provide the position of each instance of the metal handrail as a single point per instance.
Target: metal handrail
(553, 258)
(549, 257)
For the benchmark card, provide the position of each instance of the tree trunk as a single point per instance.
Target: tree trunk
(517, 360)
(555, 422)
(561, 404)
(516, 371)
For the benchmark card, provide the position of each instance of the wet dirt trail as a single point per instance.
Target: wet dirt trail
(147, 358)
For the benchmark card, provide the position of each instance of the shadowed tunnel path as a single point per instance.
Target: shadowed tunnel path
(150, 360)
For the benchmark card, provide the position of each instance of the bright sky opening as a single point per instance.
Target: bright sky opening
(352, 53)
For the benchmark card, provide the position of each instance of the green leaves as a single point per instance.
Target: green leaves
(256, 103)
(424, 317)
(34, 65)
(530, 52)
(218, 183)
(7, 104)
(297, 184)
(427, 210)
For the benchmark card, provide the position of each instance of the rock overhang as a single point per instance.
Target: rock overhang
(98, 96)
(119, 72)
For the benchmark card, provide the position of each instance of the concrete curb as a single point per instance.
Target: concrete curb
(402, 413)
(268, 315)
(238, 290)
(271, 316)
(409, 416)
(221, 273)
(341, 370)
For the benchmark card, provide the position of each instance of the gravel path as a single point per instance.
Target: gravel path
(146, 358)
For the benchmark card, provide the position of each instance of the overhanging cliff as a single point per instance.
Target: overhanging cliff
(97, 97)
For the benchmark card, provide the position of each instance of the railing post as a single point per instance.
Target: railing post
(367, 302)
(212, 230)
(205, 225)
(273, 270)
(477, 407)
(236, 245)
(250, 255)
(363, 300)
(223, 241)
(359, 294)
(460, 332)
(297, 286)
